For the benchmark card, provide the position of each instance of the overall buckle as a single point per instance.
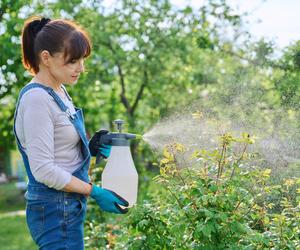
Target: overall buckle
(70, 115)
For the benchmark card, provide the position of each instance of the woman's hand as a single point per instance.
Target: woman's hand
(108, 200)
(96, 146)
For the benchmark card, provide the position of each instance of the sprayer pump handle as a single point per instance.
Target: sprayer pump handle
(119, 124)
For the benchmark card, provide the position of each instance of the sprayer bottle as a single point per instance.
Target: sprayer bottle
(119, 174)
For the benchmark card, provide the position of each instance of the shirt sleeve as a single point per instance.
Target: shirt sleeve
(39, 142)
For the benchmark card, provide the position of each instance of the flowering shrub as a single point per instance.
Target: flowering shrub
(221, 202)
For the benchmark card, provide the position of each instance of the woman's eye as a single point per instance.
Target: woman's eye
(73, 61)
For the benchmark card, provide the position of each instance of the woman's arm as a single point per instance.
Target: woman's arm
(78, 186)
(38, 128)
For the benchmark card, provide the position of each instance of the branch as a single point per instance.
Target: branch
(124, 99)
(272, 64)
(140, 93)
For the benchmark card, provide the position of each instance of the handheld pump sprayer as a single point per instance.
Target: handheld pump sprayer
(119, 174)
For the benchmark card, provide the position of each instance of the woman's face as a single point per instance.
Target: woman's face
(65, 73)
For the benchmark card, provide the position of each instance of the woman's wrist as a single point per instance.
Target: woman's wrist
(89, 188)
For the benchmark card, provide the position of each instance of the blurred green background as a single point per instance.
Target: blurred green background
(149, 60)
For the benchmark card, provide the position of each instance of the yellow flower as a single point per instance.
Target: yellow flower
(289, 182)
(197, 115)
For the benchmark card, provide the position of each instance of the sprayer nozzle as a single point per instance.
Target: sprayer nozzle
(133, 136)
(138, 137)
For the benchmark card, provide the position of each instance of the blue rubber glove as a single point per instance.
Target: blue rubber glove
(96, 147)
(105, 150)
(108, 200)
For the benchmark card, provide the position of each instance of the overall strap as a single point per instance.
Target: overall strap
(66, 92)
(76, 120)
(51, 92)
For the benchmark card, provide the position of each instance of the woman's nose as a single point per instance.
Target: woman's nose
(80, 67)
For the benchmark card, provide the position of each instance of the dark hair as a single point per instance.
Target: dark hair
(57, 35)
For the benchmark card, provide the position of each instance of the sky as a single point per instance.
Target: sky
(278, 20)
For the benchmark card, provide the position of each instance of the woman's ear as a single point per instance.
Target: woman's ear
(45, 57)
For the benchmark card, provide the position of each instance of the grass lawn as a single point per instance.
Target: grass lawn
(13, 229)
(14, 234)
(11, 198)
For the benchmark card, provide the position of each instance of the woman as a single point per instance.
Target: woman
(51, 136)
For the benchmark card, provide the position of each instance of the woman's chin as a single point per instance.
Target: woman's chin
(71, 82)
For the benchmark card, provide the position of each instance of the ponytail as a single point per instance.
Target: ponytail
(30, 30)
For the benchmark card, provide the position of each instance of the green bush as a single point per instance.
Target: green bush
(221, 202)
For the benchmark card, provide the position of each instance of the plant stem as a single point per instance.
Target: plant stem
(241, 200)
(238, 160)
(224, 160)
(219, 161)
(179, 203)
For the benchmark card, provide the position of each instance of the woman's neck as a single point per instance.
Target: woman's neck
(39, 78)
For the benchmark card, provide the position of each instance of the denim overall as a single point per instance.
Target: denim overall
(56, 218)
